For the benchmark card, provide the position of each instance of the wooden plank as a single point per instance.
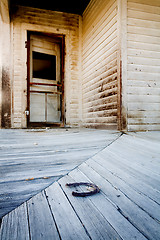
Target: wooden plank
(136, 114)
(148, 98)
(101, 68)
(41, 222)
(146, 144)
(144, 31)
(104, 58)
(42, 156)
(145, 137)
(66, 219)
(15, 225)
(144, 106)
(148, 2)
(140, 219)
(148, 157)
(149, 127)
(143, 121)
(133, 181)
(108, 99)
(143, 165)
(143, 61)
(144, 7)
(143, 15)
(100, 49)
(143, 69)
(103, 91)
(144, 53)
(143, 46)
(138, 172)
(108, 208)
(143, 91)
(101, 35)
(96, 16)
(94, 222)
(141, 200)
(143, 38)
(106, 79)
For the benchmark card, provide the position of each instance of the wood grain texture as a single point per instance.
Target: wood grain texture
(15, 225)
(41, 222)
(99, 56)
(143, 38)
(94, 222)
(104, 204)
(66, 219)
(139, 219)
(32, 159)
(127, 206)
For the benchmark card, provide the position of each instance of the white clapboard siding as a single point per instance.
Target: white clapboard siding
(143, 85)
(26, 18)
(99, 62)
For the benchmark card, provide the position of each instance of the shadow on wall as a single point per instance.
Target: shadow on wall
(6, 99)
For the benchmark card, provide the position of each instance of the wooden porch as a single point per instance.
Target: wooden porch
(127, 172)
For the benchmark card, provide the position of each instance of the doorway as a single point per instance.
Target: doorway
(45, 85)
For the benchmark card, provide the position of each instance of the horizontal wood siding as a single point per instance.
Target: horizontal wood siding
(26, 18)
(1, 31)
(143, 84)
(99, 84)
(5, 67)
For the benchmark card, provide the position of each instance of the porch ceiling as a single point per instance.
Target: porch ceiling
(70, 6)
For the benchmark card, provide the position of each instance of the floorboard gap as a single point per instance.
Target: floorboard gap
(52, 215)
(75, 211)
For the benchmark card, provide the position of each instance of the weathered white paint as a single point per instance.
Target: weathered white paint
(29, 19)
(0, 67)
(5, 63)
(44, 107)
(112, 59)
(122, 64)
(99, 83)
(143, 85)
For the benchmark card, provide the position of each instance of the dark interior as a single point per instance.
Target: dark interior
(69, 6)
(44, 66)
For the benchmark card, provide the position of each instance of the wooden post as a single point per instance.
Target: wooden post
(122, 64)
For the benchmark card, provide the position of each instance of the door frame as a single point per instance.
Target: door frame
(61, 39)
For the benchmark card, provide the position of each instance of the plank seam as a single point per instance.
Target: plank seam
(96, 206)
(29, 230)
(52, 214)
(156, 219)
(138, 191)
(75, 211)
(119, 209)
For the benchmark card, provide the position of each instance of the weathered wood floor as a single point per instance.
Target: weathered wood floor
(32, 159)
(127, 207)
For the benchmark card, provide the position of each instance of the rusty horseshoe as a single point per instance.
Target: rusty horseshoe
(84, 194)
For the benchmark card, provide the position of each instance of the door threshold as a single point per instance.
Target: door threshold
(43, 125)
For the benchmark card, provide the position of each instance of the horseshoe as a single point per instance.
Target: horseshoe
(84, 194)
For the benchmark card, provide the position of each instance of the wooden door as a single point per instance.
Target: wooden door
(45, 87)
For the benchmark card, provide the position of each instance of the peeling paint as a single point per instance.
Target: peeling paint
(6, 99)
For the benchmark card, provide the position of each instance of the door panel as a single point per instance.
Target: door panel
(53, 108)
(45, 80)
(37, 108)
